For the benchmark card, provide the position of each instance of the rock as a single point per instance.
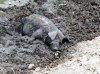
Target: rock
(31, 66)
(37, 69)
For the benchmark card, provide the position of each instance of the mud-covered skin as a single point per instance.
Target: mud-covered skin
(44, 22)
(38, 27)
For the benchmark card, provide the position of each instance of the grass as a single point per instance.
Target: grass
(2, 1)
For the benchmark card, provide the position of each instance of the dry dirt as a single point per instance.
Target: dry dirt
(78, 21)
(85, 61)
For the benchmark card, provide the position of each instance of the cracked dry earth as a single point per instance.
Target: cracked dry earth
(78, 21)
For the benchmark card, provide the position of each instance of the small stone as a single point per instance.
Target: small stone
(9, 3)
(30, 66)
(37, 69)
(56, 54)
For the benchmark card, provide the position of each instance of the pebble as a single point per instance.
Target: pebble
(37, 69)
(9, 3)
(31, 66)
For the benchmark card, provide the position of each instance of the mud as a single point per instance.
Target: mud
(78, 21)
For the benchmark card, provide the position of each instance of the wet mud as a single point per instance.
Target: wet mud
(78, 21)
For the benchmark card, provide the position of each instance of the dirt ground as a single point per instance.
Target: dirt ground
(85, 61)
(78, 21)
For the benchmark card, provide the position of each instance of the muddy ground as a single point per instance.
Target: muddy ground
(78, 21)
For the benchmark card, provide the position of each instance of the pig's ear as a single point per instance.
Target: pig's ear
(52, 34)
(65, 40)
